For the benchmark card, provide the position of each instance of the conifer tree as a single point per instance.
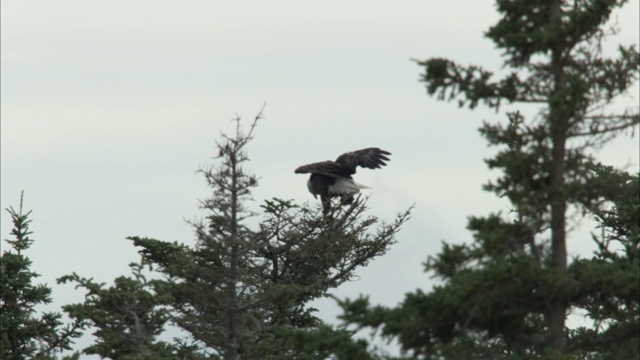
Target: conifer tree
(23, 333)
(128, 317)
(507, 294)
(242, 291)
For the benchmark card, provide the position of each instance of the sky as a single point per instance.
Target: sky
(109, 108)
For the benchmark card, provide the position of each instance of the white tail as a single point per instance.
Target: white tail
(346, 187)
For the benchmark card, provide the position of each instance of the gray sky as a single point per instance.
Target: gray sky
(108, 108)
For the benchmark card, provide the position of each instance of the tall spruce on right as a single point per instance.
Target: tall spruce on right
(507, 294)
(554, 51)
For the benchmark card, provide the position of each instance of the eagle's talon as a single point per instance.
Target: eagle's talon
(346, 200)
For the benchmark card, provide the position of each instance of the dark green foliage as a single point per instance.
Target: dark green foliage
(23, 334)
(506, 295)
(492, 303)
(607, 286)
(324, 342)
(525, 29)
(127, 317)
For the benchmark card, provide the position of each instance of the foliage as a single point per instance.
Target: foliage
(325, 342)
(607, 285)
(506, 295)
(24, 334)
(127, 317)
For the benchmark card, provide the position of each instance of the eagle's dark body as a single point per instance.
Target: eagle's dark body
(333, 178)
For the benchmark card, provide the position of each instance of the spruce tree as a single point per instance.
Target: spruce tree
(24, 333)
(507, 294)
(127, 317)
(243, 291)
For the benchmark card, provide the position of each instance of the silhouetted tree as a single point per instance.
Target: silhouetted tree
(128, 317)
(23, 332)
(507, 294)
(243, 292)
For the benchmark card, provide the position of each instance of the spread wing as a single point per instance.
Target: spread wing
(371, 158)
(345, 165)
(328, 168)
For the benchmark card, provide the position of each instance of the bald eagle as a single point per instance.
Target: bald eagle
(333, 178)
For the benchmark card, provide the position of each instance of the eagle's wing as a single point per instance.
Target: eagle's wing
(371, 158)
(328, 168)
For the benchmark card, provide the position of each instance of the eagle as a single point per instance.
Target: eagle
(333, 178)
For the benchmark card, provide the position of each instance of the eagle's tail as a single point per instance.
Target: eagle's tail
(360, 186)
(345, 186)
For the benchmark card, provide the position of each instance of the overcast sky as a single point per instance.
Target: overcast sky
(109, 107)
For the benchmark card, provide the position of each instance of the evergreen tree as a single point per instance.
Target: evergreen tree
(128, 317)
(507, 294)
(243, 292)
(24, 334)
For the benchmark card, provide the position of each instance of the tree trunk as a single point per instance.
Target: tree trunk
(232, 348)
(558, 126)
